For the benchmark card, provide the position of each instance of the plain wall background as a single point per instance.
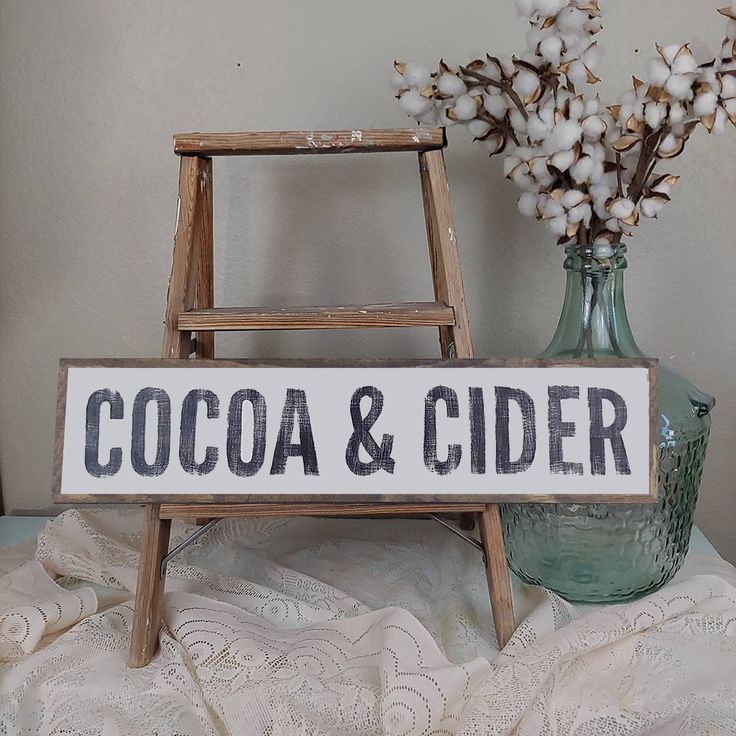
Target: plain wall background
(91, 91)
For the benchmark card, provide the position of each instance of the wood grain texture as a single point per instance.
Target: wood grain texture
(228, 510)
(288, 142)
(497, 573)
(416, 314)
(204, 297)
(455, 341)
(150, 587)
(184, 262)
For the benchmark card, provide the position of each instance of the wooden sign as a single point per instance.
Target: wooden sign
(474, 430)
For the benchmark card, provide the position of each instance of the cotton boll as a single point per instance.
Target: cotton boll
(478, 128)
(705, 104)
(613, 225)
(528, 204)
(670, 52)
(551, 49)
(398, 81)
(496, 105)
(525, 8)
(548, 8)
(677, 113)
(510, 162)
(432, 118)
(651, 206)
(572, 198)
(622, 208)
(465, 107)
(536, 127)
(685, 64)
(592, 106)
(563, 160)
(518, 123)
(592, 56)
(577, 73)
(526, 83)
(581, 171)
(571, 20)
(658, 72)
(451, 85)
(565, 135)
(521, 178)
(534, 37)
(540, 171)
(416, 75)
(728, 87)
(551, 208)
(580, 213)
(654, 114)
(576, 109)
(507, 65)
(558, 225)
(598, 171)
(414, 104)
(593, 127)
(679, 87)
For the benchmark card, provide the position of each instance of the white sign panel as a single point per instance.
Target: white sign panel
(181, 430)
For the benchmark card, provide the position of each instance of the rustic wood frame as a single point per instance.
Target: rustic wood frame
(200, 505)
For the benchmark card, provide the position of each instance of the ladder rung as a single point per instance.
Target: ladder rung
(272, 142)
(417, 314)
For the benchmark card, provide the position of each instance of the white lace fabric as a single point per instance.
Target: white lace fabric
(337, 627)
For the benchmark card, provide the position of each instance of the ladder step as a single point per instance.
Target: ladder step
(273, 142)
(417, 314)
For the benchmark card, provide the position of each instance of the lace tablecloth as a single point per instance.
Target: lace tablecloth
(319, 626)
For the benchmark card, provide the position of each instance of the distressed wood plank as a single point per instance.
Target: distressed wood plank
(280, 142)
(183, 279)
(455, 340)
(205, 290)
(228, 510)
(150, 587)
(417, 314)
(497, 573)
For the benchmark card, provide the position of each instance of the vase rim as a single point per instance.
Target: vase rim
(593, 250)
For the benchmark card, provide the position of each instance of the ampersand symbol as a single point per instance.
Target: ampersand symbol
(381, 455)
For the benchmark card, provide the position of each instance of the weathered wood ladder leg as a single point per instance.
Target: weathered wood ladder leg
(191, 280)
(455, 342)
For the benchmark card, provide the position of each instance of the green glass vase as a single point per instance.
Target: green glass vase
(601, 552)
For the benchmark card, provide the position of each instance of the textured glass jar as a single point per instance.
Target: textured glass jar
(598, 552)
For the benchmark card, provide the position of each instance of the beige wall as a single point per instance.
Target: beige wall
(91, 92)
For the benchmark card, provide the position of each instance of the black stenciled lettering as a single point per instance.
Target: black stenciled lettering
(235, 461)
(504, 464)
(559, 429)
(92, 433)
(380, 454)
(295, 407)
(454, 451)
(163, 428)
(599, 433)
(477, 431)
(188, 431)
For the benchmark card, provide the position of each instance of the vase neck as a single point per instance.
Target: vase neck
(594, 322)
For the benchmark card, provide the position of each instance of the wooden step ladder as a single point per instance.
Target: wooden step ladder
(192, 319)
